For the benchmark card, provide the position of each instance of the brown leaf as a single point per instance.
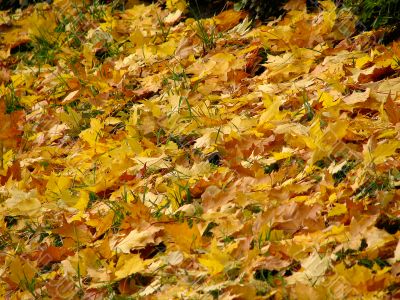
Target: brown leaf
(392, 110)
(229, 19)
(375, 74)
(9, 126)
(77, 231)
(51, 254)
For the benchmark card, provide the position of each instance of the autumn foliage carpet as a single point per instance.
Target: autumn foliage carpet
(149, 155)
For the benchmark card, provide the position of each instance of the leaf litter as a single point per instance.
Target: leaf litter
(149, 155)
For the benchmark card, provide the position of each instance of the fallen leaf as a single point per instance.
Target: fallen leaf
(129, 264)
(137, 239)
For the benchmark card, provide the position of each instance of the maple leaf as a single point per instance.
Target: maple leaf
(22, 272)
(22, 203)
(392, 110)
(136, 239)
(10, 132)
(216, 260)
(129, 264)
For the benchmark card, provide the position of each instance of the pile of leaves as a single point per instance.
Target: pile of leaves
(149, 155)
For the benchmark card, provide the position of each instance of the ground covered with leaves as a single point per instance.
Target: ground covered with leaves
(145, 154)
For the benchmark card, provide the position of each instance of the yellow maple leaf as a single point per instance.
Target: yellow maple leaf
(337, 210)
(360, 62)
(83, 201)
(57, 186)
(184, 237)
(381, 152)
(92, 134)
(327, 100)
(129, 264)
(22, 203)
(21, 271)
(137, 239)
(355, 275)
(216, 260)
(176, 4)
(6, 161)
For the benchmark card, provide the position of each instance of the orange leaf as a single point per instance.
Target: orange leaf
(9, 131)
(392, 110)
